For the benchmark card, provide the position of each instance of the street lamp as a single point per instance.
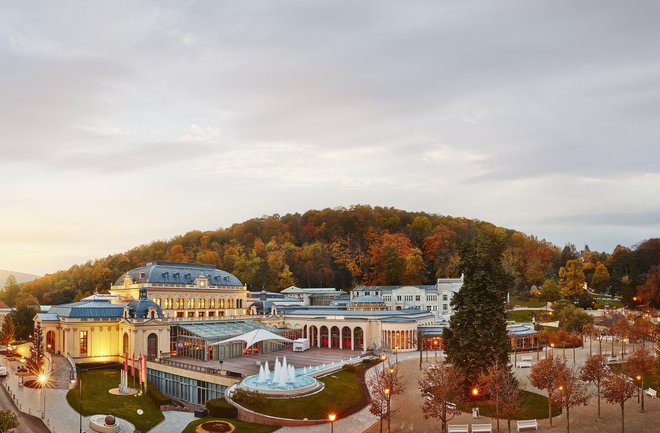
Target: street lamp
(388, 393)
(382, 359)
(396, 354)
(42, 380)
(332, 417)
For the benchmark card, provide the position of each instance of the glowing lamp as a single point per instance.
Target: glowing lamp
(332, 417)
(475, 391)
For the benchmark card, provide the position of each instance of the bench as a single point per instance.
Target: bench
(450, 405)
(457, 428)
(527, 423)
(652, 392)
(482, 428)
(525, 361)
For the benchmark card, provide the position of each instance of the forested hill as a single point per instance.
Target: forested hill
(320, 248)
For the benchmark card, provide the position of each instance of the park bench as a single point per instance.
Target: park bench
(457, 428)
(482, 428)
(450, 405)
(527, 423)
(652, 392)
(525, 361)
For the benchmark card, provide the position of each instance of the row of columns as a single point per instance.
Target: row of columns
(402, 339)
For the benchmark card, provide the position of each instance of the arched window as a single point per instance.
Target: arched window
(212, 303)
(157, 301)
(201, 303)
(222, 303)
(125, 344)
(239, 303)
(191, 303)
(152, 346)
(169, 304)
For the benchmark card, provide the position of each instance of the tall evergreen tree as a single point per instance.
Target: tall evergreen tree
(477, 337)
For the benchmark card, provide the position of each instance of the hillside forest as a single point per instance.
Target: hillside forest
(346, 247)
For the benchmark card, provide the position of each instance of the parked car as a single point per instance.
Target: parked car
(3, 371)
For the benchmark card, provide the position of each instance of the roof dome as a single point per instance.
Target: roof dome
(178, 273)
(140, 308)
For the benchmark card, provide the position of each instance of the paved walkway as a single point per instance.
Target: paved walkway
(174, 422)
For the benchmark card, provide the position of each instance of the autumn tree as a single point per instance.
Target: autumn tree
(477, 336)
(601, 278)
(617, 389)
(497, 382)
(571, 393)
(640, 364)
(383, 385)
(573, 319)
(571, 279)
(510, 402)
(649, 292)
(549, 374)
(442, 392)
(36, 360)
(550, 291)
(594, 370)
(7, 330)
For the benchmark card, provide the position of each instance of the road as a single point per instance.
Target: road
(28, 423)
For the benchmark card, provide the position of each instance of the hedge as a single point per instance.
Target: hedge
(219, 408)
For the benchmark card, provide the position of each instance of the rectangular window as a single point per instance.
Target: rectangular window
(367, 293)
(418, 298)
(435, 308)
(83, 342)
(428, 308)
(444, 308)
(444, 297)
(398, 297)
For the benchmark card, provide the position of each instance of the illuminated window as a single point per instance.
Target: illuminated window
(83, 342)
(212, 303)
(157, 300)
(191, 303)
(201, 303)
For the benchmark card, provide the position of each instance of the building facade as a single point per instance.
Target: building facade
(434, 298)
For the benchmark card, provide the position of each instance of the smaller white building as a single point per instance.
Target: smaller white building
(435, 298)
(318, 296)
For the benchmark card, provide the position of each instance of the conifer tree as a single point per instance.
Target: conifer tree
(477, 337)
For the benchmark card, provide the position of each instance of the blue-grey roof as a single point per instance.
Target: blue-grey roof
(47, 317)
(386, 289)
(521, 329)
(139, 308)
(86, 309)
(178, 273)
(398, 320)
(224, 330)
(329, 311)
(369, 299)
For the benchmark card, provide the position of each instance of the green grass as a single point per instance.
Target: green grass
(343, 391)
(600, 303)
(97, 399)
(241, 427)
(520, 315)
(530, 303)
(534, 406)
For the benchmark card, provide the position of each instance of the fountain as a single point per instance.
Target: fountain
(283, 380)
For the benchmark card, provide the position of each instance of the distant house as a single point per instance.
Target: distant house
(318, 296)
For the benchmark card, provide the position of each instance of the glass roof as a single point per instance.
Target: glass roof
(224, 330)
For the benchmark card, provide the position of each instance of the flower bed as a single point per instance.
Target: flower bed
(215, 427)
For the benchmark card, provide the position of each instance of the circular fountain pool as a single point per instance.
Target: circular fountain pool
(283, 380)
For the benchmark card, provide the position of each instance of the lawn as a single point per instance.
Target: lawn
(520, 315)
(241, 427)
(530, 303)
(344, 391)
(97, 399)
(534, 406)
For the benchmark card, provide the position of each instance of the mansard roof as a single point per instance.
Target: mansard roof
(178, 273)
(87, 309)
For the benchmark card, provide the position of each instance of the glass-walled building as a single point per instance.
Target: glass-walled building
(195, 340)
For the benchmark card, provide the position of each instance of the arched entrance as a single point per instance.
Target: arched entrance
(334, 337)
(152, 346)
(313, 336)
(324, 336)
(346, 337)
(358, 338)
(50, 341)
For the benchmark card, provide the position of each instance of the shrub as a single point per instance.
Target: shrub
(156, 396)
(219, 408)
(250, 398)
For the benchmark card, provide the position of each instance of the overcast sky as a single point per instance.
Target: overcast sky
(126, 122)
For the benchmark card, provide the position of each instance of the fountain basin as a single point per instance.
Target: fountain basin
(302, 385)
(104, 424)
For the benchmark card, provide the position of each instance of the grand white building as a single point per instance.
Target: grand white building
(435, 298)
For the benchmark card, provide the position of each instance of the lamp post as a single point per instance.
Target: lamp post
(396, 354)
(42, 380)
(382, 359)
(388, 393)
(332, 417)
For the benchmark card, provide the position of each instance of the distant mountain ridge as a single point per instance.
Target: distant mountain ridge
(21, 277)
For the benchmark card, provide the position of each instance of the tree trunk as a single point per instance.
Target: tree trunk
(598, 395)
(642, 384)
(568, 424)
(497, 411)
(550, 409)
(623, 430)
(509, 423)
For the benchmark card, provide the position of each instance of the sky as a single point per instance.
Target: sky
(126, 122)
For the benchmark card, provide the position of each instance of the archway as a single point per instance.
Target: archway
(152, 346)
(334, 337)
(358, 338)
(323, 334)
(346, 337)
(50, 341)
(313, 336)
